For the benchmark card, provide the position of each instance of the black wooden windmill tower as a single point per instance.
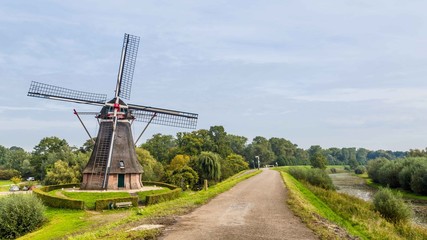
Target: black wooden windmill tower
(113, 163)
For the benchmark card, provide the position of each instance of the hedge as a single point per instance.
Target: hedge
(162, 197)
(55, 201)
(108, 202)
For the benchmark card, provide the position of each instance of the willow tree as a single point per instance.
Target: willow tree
(208, 165)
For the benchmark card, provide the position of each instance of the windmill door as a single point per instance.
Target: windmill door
(121, 182)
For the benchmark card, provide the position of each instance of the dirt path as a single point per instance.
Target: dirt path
(254, 209)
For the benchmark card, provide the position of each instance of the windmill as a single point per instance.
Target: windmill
(113, 163)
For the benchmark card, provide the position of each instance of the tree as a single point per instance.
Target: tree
(232, 164)
(260, 147)
(153, 170)
(160, 146)
(184, 177)
(220, 140)
(207, 165)
(237, 143)
(318, 160)
(179, 161)
(47, 152)
(62, 173)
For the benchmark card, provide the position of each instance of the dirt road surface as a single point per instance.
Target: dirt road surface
(253, 209)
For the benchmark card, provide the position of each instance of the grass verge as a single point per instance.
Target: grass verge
(90, 197)
(357, 217)
(5, 185)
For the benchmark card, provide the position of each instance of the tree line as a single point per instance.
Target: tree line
(186, 158)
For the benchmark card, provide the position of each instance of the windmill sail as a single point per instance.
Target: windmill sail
(127, 66)
(165, 117)
(43, 90)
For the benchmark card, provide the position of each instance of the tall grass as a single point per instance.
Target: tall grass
(354, 215)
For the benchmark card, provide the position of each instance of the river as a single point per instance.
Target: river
(355, 186)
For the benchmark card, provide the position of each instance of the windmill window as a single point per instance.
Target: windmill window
(122, 164)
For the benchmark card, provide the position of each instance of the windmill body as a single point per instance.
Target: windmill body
(113, 163)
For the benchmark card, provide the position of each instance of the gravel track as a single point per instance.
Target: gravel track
(253, 209)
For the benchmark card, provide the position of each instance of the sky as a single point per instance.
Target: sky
(334, 73)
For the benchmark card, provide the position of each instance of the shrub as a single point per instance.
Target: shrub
(360, 170)
(388, 174)
(318, 177)
(8, 174)
(314, 176)
(419, 180)
(391, 206)
(20, 214)
(298, 173)
(183, 177)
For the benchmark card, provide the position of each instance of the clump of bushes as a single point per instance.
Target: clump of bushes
(6, 174)
(391, 206)
(20, 214)
(314, 176)
(360, 170)
(408, 173)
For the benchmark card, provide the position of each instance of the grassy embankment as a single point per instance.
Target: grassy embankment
(112, 224)
(320, 209)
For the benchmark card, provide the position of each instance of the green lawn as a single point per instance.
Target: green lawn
(5, 185)
(61, 222)
(90, 197)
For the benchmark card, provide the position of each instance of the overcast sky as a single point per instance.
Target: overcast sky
(343, 73)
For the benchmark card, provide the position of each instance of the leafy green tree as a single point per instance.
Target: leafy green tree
(184, 177)
(232, 164)
(318, 160)
(160, 147)
(153, 170)
(220, 141)
(179, 161)
(207, 165)
(47, 152)
(15, 157)
(362, 155)
(260, 147)
(237, 143)
(62, 173)
(88, 145)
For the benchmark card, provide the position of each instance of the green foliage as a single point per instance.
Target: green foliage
(388, 173)
(20, 214)
(179, 162)
(317, 205)
(159, 184)
(419, 180)
(373, 168)
(208, 166)
(153, 170)
(16, 179)
(62, 173)
(318, 160)
(360, 170)
(314, 176)
(160, 147)
(9, 174)
(232, 164)
(184, 177)
(55, 201)
(163, 197)
(391, 206)
(408, 173)
(107, 203)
